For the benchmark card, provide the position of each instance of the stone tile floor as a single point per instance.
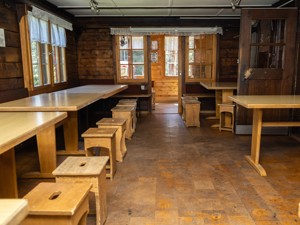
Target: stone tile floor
(176, 175)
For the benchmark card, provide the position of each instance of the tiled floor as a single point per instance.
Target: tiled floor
(176, 175)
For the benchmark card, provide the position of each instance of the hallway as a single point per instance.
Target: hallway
(176, 175)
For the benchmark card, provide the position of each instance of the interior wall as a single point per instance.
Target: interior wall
(11, 70)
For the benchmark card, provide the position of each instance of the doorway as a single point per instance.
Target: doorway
(164, 73)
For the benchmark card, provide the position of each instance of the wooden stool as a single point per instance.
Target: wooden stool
(120, 124)
(128, 100)
(89, 170)
(104, 138)
(134, 104)
(191, 112)
(59, 204)
(125, 112)
(226, 117)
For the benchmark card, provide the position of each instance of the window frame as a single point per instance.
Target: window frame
(213, 63)
(176, 63)
(27, 65)
(119, 80)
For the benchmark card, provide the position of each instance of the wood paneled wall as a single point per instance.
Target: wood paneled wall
(11, 70)
(95, 54)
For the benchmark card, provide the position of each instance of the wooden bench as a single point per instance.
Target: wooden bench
(89, 170)
(58, 204)
(120, 124)
(104, 138)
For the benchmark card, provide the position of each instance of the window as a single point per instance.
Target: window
(171, 56)
(47, 54)
(131, 59)
(200, 57)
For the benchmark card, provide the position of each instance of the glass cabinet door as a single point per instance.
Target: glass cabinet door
(200, 57)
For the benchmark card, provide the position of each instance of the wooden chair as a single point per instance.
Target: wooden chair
(104, 138)
(120, 124)
(226, 117)
(58, 203)
(89, 170)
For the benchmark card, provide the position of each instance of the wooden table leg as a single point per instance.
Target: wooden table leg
(255, 143)
(71, 135)
(46, 143)
(8, 175)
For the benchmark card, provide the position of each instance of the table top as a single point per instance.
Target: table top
(16, 127)
(72, 99)
(267, 101)
(13, 211)
(214, 85)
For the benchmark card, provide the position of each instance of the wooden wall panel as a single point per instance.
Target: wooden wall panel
(95, 55)
(11, 70)
(71, 57)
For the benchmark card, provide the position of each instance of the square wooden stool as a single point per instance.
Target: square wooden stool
(134, 118)
(191, 113)
(120, 124)
(89, 170)
(226, 117)
(104, 138)
(125, 112)
(58, 204)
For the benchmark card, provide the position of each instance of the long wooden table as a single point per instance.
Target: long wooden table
(16, 127)
(13, 211)
(258, 103)
(69, 100)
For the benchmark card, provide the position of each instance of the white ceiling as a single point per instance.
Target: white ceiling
(181, 8)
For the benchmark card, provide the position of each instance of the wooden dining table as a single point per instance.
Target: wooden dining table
(258, 103)
(222, 91)
(69, 100)
(15, 128)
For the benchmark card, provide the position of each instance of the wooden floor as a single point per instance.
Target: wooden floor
(176, 175)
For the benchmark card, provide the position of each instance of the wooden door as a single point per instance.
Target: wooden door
(266, 57)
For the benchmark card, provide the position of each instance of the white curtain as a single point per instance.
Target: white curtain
(171, 43)
(39, 31)
(62, 37)
(41, 14)
(55, 40)
(34, 28)
(44, 32)
(176, 31)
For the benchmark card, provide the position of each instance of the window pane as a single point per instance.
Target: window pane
(124, 42)
(138, 56)
(191, 42)
(45, 64)
(262, 57)
(55, 64)
(62, 65)
(124, 71)
(124, 56)
(137, 42)
(191, 56)
(138, 70)
(36, 69)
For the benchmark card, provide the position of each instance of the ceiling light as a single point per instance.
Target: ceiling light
(95, 6)
(235, 3)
